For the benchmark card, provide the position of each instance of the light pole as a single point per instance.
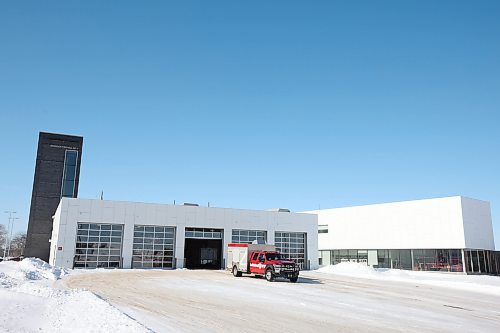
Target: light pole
(10, 227)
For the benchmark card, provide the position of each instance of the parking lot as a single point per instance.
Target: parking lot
(215, 301)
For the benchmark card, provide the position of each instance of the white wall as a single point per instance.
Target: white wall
(72, 211)
(419, 224)
(478, 226)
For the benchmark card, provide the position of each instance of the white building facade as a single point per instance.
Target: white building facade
(100, 233)
(444, 234)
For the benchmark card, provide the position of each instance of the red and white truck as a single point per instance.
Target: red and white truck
(260, 259)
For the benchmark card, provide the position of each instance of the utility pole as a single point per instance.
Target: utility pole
(10, 227)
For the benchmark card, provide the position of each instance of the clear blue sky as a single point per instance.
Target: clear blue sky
(255, 105)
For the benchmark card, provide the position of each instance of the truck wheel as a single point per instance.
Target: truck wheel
(236, 273)
(294, 279)
(269, 275)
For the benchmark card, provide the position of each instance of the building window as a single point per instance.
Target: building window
(477, 261)
(248, 236)
(437, 260)
(98, 245)
(292, 245)
(203, 233)
(153, 247)
(322, 229)
(69, 174)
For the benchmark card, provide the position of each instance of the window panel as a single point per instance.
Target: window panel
(71, 157)
(67, 189)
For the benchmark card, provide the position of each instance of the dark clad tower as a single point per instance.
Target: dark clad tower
(57, 172)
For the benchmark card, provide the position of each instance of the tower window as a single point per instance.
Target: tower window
(69, 174)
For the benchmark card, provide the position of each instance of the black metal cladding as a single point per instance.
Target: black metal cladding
(57, 173)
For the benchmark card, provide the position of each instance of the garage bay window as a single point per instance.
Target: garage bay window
(153, 247)
(248, 236)
(292, 245)
(98, 245)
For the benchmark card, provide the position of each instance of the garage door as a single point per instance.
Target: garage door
(98, 245)
(292, 245)
(153, 247)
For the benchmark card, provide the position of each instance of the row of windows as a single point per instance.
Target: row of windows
(95, 264)
(84, 232)
(149, 228)
(83, 257)
(298, 235)
(165, 258)
(203, 233)
(422, 260)
(100, 251)
(95, 245)
(289, 239)
(153, 253)
(152, 246)
(100, 226)
(155, 235)
(152, 240)
(96, 239)
(151, 264)
(250, 233)
(248, 236)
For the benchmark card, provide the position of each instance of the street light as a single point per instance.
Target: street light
(10, 227)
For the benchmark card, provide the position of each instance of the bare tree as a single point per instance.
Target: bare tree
(17, 244)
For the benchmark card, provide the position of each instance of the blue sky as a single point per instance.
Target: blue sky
(256, 105)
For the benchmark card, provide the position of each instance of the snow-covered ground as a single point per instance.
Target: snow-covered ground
(475, 283)
(29, 302)
(346, 298)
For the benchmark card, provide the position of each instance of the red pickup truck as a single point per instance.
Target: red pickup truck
(260, 259)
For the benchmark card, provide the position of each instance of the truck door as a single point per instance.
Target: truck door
(254, 263)
(261, 267)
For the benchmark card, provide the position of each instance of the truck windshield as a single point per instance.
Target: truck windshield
(274, 256)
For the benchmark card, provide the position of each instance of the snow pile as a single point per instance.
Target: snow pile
(37, 269)
(476, 283)
(30, 302)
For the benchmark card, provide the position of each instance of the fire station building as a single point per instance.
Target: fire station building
(100, 233)
(453, 234)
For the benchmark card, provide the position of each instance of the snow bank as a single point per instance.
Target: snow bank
(474, 283)
(30, 302)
